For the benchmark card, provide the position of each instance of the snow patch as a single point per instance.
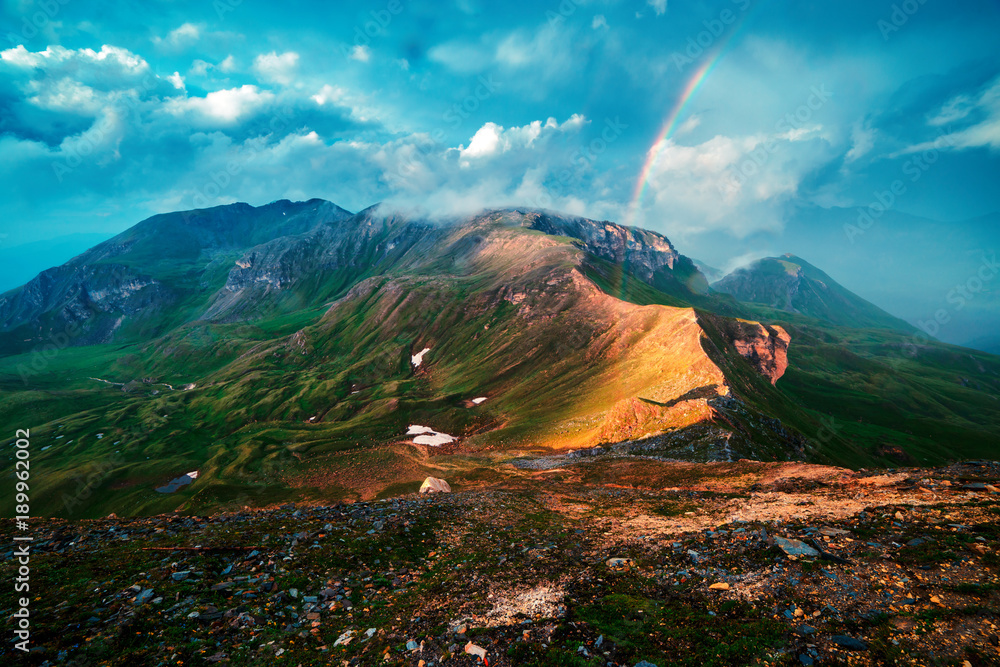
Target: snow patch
(418, 358)
(479, 400)
(425, 435)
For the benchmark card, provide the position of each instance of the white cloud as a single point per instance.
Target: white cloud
(492, 139)
(225, 106)
(78, 82)
(733, 183)
(60, 60)
(276, 68)
(484, 142)
(177, 80)
(350, 104)
(599, 22)
(329, 95)
(199, 67)
(862, 141)
(659, 6)
(361, 53)
(228, 64)
(185, 35)
(984, 132)
(689, 124)
(550, 52)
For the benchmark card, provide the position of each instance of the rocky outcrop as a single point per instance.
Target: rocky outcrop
(647, 255)
(765, 347)
(88, 300)
(342, 250)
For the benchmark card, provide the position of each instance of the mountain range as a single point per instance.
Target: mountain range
(294, 350)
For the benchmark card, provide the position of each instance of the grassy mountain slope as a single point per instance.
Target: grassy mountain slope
(299, 382)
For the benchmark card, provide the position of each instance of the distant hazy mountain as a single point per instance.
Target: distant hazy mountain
(989, 344)
(907, 265)
(791, 284)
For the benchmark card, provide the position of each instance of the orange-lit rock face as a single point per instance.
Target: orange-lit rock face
(766, 347)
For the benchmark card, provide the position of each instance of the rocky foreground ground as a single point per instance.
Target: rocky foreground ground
(626, 562)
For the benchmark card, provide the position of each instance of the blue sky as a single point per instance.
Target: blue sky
(112, 111)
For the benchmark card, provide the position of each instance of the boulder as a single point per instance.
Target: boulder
(435, 485)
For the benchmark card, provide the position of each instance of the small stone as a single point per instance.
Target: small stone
(720, 586)
(849, 643)
(144, 597)
(899, 516)
(412, 645)
(477, 651)
(643, 663)
(180, 576)
(616, 563)
(795, 547)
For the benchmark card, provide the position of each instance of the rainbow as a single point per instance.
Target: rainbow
(670, 124)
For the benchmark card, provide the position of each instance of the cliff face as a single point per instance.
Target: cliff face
(89, 300)
(647, 255)
(766, 348)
